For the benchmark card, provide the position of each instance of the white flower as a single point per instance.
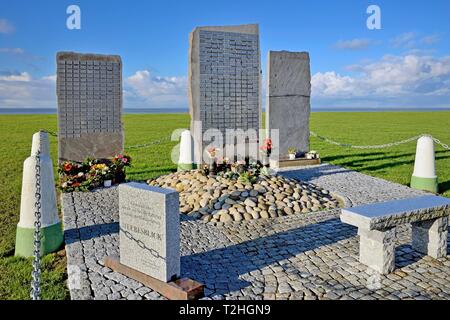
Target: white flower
(80, 174)
(64, 185)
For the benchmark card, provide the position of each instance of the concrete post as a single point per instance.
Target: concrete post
(51, 231)
(185, 161)
(424, 175)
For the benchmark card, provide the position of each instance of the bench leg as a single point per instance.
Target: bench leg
(377, 249)
(430, 237)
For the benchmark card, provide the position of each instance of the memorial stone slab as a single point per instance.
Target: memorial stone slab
(288, 99)
(224, 80)
(89, 93)
(150, 230)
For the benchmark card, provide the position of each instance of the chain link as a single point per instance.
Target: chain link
(52, 133)
(381, 146)
(346, 145)
(137, 146)
(35, 293)
(142, 245)
(443, 145)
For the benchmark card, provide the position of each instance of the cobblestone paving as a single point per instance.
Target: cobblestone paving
(309, 256)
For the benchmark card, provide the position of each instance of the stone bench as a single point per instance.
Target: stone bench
(376, 224)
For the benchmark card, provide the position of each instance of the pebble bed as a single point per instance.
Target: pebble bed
(301, 256)
(218, 199)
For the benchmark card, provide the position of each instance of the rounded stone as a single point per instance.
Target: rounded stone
(237, 216)
(255, 215)
(225, 217)
(247, 216)
(264, 214)
(249, 202)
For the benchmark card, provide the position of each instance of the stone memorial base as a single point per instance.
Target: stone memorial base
(179, 289)
(298, 162)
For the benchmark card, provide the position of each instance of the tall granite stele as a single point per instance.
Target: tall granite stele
(288, 99)
(89, 92)
(224, 81)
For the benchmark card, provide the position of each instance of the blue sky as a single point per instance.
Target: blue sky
(405, 64)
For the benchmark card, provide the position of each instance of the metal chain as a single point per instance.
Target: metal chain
(52, 133)
(35, 293)
(151, 143)
(142, 245)
(443, 145)
(381, 146)
(137, 146)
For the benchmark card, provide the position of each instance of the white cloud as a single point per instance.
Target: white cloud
(6, 27)
(24, 76)
(140, 90)
(407, 39)
(21, 90)
(354, 44)
(411, 39)
(406, 79)
(431, 39)
(143, 89)
(14, 51)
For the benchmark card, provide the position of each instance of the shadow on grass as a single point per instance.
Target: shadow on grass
(444, 186)
(398, 163)
(350, 155)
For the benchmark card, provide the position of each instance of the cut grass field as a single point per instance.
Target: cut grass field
(394, 164)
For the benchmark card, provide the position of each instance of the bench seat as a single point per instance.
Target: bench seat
(376, 224)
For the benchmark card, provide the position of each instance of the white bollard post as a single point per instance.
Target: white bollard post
(424, 175)
(51, 231)
(185, 161)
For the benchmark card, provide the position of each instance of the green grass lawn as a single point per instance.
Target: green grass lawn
(394, 164)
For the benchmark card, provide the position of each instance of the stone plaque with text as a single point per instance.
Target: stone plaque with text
(150, 230)
(89, 92)
(224, 80)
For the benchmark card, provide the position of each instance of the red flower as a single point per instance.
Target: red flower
(267, 145)
(67, 166)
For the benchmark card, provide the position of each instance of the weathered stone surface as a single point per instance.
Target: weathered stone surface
(377, 249)
(430, 237)
(94, 145)
(89, 92)
(150, 230)
(388, 214)
(288, 99)
(224, 80)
